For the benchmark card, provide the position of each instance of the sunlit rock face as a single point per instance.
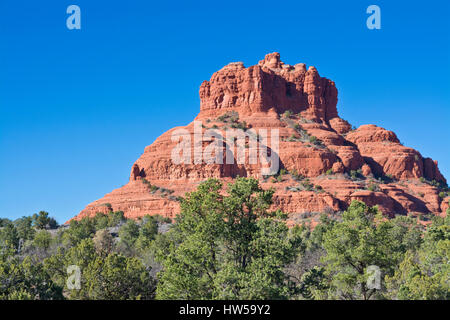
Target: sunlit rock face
(327, 163)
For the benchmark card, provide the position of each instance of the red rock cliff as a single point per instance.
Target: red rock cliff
(327, 163)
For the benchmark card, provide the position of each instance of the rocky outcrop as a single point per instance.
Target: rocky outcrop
(324, 163)
(385, 155)
(269, 85)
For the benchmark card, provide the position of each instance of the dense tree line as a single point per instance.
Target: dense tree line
(226, 246)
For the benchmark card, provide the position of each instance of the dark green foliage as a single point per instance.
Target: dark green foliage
(361, 240)
(115, 218)
(313, 280)
(4, 222)
(9, 237)
(227, 244)
(79, 230)
(41, 220)
(42, 240)
(117, 278)
(40, 271)
(388, 178)
(226, 247)
(128, 235)
(147, 232)
(101, 221)
(25, 228)
(25, 280)
(423, 274)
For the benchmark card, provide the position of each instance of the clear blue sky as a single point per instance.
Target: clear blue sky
(77, 107)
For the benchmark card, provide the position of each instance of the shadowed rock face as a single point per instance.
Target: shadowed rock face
(256, 98)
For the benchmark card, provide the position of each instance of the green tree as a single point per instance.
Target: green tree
(79, 230)
(364, 238)
(226, 247)
(9, 237)
(313, 283)
(424, 274)
(147, 232)
(42, 240)
(4, 222)
(128, 235)
(41, 220)
(24, 228)
(307, 271)
(115, 218)
(118, 278)
(101, 221)
(80, 255)
(25, 279)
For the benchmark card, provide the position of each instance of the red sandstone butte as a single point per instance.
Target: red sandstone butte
(259, 95)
